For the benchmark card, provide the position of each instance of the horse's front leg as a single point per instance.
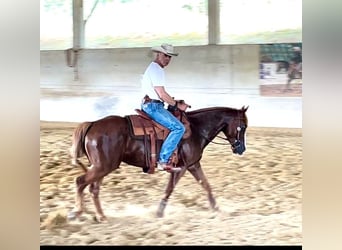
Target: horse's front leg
(173, 180)
(197, 172)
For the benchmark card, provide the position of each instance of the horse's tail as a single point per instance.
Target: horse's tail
(77, 149)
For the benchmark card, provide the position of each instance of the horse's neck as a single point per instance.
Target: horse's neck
(208, 126)
(215, 130)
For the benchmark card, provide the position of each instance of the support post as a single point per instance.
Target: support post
(213, 21)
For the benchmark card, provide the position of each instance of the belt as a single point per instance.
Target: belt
(148, 100)
(156, 101)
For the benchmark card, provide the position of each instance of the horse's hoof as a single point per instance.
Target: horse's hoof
(103, 219)
(100, 218)
(216, 209)
(160, 214)
(73, 215)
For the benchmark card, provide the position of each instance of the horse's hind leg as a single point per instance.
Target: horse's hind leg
(197, 172)
(173, 180)
(94, 175)
(95, 190)
(79, 199)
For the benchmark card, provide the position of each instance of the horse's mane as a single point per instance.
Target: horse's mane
(233, 111)
(197, 111)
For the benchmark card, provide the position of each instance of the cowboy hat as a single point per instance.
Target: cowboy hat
(166, 49)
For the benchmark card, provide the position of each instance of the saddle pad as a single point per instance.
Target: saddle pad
(142, 126)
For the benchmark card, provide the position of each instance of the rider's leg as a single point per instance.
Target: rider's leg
(170, 144)
(299, 70)
(158, 113)
(290, 75)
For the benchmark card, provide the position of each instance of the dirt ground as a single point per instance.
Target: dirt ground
(259, 195)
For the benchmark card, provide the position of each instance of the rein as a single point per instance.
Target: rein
(236, 143)
(219, 143)
(211, 140)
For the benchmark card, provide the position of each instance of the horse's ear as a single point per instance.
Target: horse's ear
(244, 108)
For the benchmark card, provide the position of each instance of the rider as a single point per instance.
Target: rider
(153, 88)
(295, 64)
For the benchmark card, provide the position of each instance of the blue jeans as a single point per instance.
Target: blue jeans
(158, 113)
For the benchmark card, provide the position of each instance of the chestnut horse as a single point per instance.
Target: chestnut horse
(107, 142)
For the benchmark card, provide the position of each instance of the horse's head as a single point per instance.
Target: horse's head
(235, 131)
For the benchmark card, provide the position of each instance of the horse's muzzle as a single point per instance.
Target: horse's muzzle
(238, 147)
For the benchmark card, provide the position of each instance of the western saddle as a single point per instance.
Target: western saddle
(144, 128)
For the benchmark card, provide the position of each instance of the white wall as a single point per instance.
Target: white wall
(203, 76)
(212, 68)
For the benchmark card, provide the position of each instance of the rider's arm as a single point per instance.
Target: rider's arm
(164, 96)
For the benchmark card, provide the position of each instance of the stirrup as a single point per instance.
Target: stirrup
(168, 168)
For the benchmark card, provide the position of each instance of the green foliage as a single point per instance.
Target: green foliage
(53, 5)
(278, 36)
(187, 7)
(190, 39)
(126, 1)
(57, 6)
(63, 7)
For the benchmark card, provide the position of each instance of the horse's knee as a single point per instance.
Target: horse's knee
(80, 180)
(94, 189)
(91, 188)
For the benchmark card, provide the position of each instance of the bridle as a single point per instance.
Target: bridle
(236, 144)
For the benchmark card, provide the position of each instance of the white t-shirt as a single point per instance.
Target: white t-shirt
(154, 76)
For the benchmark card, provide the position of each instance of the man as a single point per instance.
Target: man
(153, 88)
(295, 65)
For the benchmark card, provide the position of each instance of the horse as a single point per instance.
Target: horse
(108, 141)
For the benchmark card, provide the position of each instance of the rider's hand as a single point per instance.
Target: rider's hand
(181, 105)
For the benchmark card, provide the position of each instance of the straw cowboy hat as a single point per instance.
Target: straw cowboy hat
(166, 49)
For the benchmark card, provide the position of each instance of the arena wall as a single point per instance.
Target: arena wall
(213, 68)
